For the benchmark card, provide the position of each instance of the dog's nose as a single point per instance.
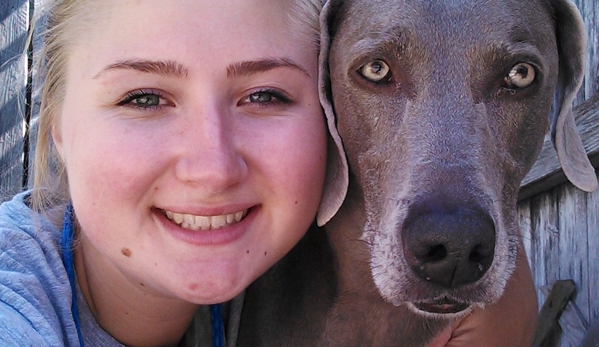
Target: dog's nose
(451, 247)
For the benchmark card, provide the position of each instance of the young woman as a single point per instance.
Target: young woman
(183, 148)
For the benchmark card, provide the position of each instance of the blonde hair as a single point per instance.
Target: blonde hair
(50, 186)
(65, 17)
(305, 14)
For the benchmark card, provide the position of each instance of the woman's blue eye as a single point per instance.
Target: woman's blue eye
(147, 100)
(143, 100)
(267, 97)
(261, 97)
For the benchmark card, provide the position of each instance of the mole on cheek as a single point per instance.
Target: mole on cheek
(126, 252)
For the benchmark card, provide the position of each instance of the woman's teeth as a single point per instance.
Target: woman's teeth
(192, 222)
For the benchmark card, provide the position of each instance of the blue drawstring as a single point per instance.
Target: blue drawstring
(67, 236)
(218, 331)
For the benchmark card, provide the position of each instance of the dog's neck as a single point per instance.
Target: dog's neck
(352, 254)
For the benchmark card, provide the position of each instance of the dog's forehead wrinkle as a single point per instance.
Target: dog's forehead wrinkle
(442, 25)
(384, 42)
(368, 14)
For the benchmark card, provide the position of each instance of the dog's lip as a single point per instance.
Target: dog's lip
(442, 306)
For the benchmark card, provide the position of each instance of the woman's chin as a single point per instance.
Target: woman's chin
(206, 294)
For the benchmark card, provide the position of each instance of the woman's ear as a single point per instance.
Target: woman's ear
(337, 176)
(571, 45)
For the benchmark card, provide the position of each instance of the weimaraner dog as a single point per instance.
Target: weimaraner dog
(436, 110)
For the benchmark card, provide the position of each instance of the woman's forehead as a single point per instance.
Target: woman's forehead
(200, 35)
(224, 16)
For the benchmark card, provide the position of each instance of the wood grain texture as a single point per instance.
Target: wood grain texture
(589, 10)
(544, 228)
(572, 325)
(574, 241)
(556, 301)
(14, 20)
(564, 234)
(592, 337)
(592, 215)
(36, 84)
(525, 229)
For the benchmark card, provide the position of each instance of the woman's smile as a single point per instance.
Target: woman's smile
(210, 230)
(196, 222)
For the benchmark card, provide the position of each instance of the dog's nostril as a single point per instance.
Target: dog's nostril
(435, 253)
(476, 255)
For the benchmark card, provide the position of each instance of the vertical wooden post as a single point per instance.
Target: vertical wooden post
(14, 22)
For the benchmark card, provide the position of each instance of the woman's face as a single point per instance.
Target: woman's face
(194, 143)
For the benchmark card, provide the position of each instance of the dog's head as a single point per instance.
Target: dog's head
(442, 107)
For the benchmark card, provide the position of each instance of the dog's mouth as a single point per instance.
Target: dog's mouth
(442, 306)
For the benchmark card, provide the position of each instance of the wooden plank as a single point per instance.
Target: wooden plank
(592, 215)
(536, 252)
(544, 236)
(545, 223)
(571, 322)
(573, 241)
(589, 10)
(14, 16)
(554, 336)
(546, 172)
(526, 230)
(560, 294)
(592, 337)
(39, 19)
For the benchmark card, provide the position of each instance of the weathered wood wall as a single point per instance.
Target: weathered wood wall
(561, 231)
(14, 22)
(590, 12)
(560, 223)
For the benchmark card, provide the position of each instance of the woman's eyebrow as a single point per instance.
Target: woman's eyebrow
(246, 68)
(159, 67)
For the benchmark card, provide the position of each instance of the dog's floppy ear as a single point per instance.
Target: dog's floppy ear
(571, 44)
(337, 176)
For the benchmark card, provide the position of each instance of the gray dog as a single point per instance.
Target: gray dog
(442, 107)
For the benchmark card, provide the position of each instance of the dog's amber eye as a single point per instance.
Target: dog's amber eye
(521, 76)
(375, 71)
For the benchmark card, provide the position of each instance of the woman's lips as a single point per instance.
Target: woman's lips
(208, 230)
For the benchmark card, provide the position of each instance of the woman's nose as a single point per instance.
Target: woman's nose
(209, 156)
